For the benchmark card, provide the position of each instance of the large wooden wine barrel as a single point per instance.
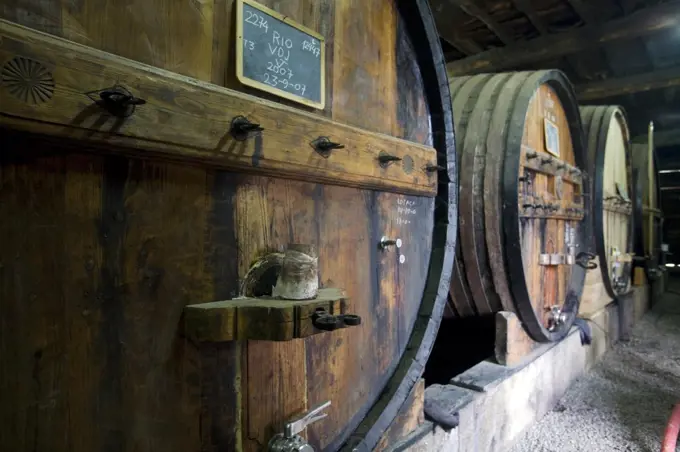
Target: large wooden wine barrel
(651, 222)
(610, 169)
(140, 182)
(523, 199)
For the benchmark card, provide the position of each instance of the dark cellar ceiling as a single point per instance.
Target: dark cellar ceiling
(623, 52)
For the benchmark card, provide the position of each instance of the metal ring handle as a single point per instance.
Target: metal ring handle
(583, 259)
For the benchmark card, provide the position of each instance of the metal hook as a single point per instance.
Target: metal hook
(386, 159)
(431, 168)
(117, 100)
(241, 128)
(583, 260)
(324, 146)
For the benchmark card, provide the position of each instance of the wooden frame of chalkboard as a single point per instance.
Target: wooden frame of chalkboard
(248, 81)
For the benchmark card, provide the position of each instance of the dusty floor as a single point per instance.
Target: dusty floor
(624, 402)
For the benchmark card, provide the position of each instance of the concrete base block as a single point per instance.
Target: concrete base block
(602, 324)
(626, 310)
(483, 377)
(496, 417)
(506, 401)
(640, 301)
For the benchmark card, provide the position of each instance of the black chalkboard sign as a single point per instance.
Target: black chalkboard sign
(276, 55)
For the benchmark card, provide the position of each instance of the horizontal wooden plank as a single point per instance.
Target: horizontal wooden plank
(44, 91)
(662, 138)
(636, 83)
(545, 163)
(258, 318)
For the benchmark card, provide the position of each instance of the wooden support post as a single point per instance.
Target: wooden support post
(650, 187)
(513, 344)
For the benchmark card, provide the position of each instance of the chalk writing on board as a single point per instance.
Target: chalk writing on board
(276, 55)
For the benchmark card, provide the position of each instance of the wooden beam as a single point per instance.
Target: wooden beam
(188, 120)
(470, 8)
(647, 81)
(641, 23)
(662, 139)
(465, 46)
(444, 11)
(582, 10)
(525, 7)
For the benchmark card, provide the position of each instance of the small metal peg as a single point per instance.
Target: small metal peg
(324, 146)
(385, 242)
(385, 159)
(117, 100)
(431, 168)
(531, 155)
(241, 128)
(546, 161)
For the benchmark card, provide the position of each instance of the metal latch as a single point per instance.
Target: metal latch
(583, 259)
(289, 440)
(551, 259)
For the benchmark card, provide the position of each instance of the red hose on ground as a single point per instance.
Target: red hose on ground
(670, 437)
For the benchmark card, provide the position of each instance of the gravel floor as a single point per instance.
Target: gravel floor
(624, 402)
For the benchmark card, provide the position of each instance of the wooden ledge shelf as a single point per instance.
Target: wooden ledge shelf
(265, 319)
(189, 120)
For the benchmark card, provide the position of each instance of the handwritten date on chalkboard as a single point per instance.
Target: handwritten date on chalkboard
(277, 55)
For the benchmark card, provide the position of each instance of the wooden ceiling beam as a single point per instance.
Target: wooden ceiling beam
(583, 11)
(640, 23)
(469, 7)
(463, 45)
(662, 138)
(466, 46)
(524, 6)
(658, 79)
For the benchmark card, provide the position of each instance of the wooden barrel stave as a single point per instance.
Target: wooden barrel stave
(610, 166)
(127, 243)
(493, 204)
(471, 183)
(467, 303)
(507, 102)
